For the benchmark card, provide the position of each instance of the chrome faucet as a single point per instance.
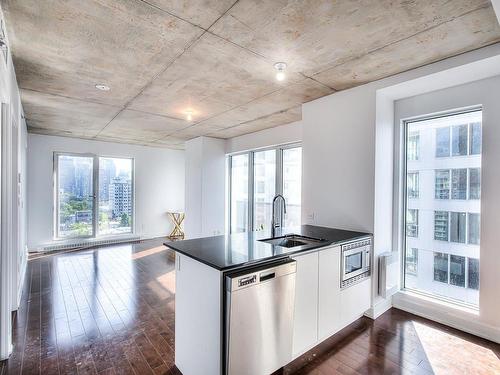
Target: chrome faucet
(274, 224)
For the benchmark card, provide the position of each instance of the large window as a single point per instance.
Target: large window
(255, 179)
(239, 193)
(94, 195)
(442, 206)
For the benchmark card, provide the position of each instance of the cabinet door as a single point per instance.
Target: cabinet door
(354, 301)
(329, 318)
(305, 330)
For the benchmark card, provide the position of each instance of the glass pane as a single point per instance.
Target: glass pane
(473, 274)
(457, 227)
(412, 223)
(292, 183)
(413, 145)
(353, 262)
(459, 140)
(412, 184)
(441, 226)
(411, 262)
(443, 142)
(475, 183)
(264, 188)
(457, 270)
(442, 184)
(474, 228)
(75, 196)
(115, 195)
(475, 130)
(441, 267)
(459, 183)
(239, 193)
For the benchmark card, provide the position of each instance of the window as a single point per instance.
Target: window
(441, 226)
(413, 145)
(412, 223)
(264, 187)
(457, 226)
(255, 178)
(411, 261)
(412, 184)
(239, 193)
(115, 195)
(459, 183)
(94, 195)
(475, 130)
(474, 229)
(475, 183)
(292, 185)
(442, 142)
(457, 270)
(442, 184)
(441, 267)
(473, 274)
(441, 206)
(75, 191)
(459, 140)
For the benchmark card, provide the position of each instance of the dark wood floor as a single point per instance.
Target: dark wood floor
(111, 310)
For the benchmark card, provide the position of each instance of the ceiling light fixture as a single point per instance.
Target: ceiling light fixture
(102, 87)
(280, 67)
(189, 115)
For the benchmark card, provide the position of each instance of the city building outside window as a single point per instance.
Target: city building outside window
(442, 218)
(413, 145)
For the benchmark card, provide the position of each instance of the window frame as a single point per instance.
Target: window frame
(400, 184)
(251, 170)
(95, 195)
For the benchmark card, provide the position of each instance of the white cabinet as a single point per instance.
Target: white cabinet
(329, 314)
(305, 332)
(354, 301)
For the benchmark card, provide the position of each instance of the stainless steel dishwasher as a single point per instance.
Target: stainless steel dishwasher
(259, 318)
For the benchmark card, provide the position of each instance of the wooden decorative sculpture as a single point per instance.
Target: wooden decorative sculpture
(177, 219)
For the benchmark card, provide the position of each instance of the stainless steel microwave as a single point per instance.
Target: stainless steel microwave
(355, 262)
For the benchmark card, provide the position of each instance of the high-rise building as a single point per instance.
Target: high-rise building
(443, 182)
(120, 196)
(107, 171)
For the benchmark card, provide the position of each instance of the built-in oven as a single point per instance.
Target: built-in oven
(355, 262)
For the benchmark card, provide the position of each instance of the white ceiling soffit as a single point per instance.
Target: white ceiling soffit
(212, 60)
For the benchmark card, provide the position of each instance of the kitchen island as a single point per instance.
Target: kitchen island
(204, 268)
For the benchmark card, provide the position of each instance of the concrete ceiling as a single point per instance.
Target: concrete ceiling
(215, 58)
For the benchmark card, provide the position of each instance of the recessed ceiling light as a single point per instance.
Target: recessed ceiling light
(189, 115)
(102, 87)
(280, 67)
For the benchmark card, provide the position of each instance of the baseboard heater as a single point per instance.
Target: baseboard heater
(388, 271)
(85, 243)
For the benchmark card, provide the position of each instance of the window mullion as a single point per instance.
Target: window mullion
(250, 190)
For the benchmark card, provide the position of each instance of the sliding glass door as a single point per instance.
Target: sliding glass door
(264, 187)
(75, 196)
(93, 195)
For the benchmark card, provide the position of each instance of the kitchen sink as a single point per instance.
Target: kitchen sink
(292, 240)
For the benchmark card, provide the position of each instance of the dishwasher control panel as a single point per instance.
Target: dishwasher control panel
(247, 280)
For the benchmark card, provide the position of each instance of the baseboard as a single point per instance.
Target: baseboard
(379, 308)
(458, 318)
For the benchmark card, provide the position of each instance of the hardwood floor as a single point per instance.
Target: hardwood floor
(111, 310)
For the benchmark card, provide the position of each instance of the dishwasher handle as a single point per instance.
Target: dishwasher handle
(268, 276)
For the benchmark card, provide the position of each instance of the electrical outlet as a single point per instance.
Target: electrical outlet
(310, 218)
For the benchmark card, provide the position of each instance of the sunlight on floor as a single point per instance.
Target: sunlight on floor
(145, 253)
(437, 343)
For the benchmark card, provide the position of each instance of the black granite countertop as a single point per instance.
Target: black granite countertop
(241, 249)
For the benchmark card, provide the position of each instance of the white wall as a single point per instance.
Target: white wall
(159, 183)
(348, 144)
(205, 187)
(279, 135)
(13, 214)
